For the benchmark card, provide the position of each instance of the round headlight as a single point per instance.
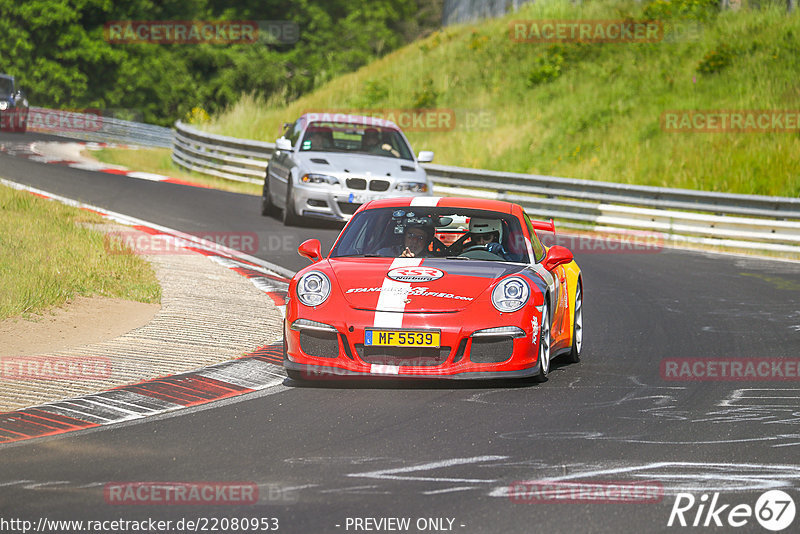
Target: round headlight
(3, 105)
(313, 288)
(511, 294)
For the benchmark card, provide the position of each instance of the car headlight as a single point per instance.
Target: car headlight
(511, 294)
(313, 288)
(3, 105)
(319, 179)
(412, 187)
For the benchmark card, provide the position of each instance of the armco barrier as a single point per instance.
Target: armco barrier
(682, 215)
(97, 127)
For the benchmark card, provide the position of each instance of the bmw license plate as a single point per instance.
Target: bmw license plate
(401, 338)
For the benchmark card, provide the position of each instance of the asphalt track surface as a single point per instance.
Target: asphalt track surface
(326, 455)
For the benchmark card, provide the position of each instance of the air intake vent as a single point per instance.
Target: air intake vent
(320, 161)
(407, 168)
(378, 185)
(356, 183)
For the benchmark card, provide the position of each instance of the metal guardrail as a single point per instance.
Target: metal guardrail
(242, 160)
(98, 128)
(679, 215)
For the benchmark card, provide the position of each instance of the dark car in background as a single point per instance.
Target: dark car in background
(13, 106)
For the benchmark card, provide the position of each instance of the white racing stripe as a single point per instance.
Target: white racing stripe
(392, 297)
(425, 201)
(384, 369)
(391, 305)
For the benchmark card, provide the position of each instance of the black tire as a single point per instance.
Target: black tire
(289, 216)
(291, 373)
(544, 348)
(574, 355)
(297, 376)
(267, 207)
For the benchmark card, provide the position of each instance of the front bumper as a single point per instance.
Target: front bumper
(337, 204)
(340, 350)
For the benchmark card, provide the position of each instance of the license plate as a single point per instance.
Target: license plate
(354, 198)
(401, 338)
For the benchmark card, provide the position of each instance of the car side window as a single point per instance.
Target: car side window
(538, 248)
(293, 132)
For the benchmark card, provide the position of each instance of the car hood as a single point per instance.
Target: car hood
(395, 284)
(340, 164)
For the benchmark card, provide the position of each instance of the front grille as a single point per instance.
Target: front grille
(356, 183)
(348, 208)
(409, 356)
(491, 349)
(319, 344)
(378, 185)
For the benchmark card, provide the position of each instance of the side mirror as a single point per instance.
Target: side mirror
(283, 144)
(425, 156)
(556, 255)
(311, 249)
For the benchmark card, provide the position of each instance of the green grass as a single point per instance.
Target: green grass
(48, 256)
(159, 161)
(584, 110)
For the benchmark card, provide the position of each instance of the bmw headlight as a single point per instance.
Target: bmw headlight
(412, 187)
(511, 294)
(3, 105)
(319, 179)
(313, 288)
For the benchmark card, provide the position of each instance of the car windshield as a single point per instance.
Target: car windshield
(6, 86)
(355, 138)
(434, 232)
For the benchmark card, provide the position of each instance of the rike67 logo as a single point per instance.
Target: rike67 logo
(774, 510)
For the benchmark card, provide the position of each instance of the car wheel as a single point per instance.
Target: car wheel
(289, 215)
(544, 346)
(297, 376)
(574, 355)
(267, 207)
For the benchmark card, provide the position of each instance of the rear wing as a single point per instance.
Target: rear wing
(544, 226)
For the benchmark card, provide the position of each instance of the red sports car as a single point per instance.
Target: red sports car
(434, 287)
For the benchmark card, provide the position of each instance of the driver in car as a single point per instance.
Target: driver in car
(371, 143)
(485, 234)
(416, 240)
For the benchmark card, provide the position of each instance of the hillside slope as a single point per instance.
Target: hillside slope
(586, 110)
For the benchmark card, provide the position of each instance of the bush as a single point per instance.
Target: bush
(715, 61)
(426, 97)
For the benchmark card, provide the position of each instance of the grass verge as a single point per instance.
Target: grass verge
(48, 256)
(159, 161)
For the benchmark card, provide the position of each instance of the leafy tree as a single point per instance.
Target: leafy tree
(58, 51)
